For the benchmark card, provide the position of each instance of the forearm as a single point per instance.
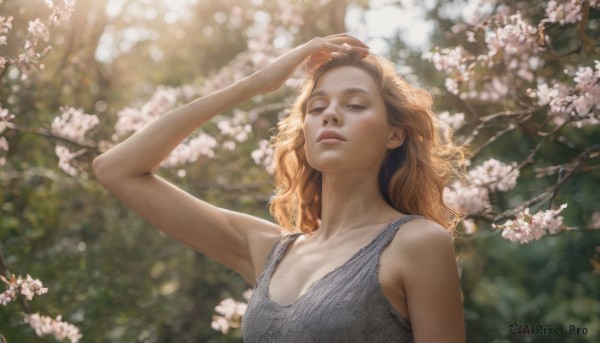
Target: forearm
(146, 149)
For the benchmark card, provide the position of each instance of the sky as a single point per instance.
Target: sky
(385, 19)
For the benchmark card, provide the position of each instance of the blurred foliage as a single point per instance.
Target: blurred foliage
(118, 280)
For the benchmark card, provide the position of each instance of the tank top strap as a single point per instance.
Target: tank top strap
(390, 232)
(276, 253)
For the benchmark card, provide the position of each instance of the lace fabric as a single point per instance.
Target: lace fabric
(346, 305)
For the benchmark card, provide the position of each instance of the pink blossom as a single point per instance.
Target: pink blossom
(3, 144)
(513, 37)
(35, 47)
(73, 123)
(62, 12)
(220, 323)
(237, 127)
(567, 12)
(556, 98)
(470, 226)
(248, 294)
(5, 24)
(454, 121)
(468, 199)
(264, 155)
(447, 59)
(527, 228)
(585, 78)
(49, 3)
(5, 117)
(544, 93)
(44, 325)
(36, 27)
(495, 175)
(163, 100)
(65, 156)
(576, 103)
(230, 313)
(452, 85)
(9, 295)
(28, 287)
(190, 150)
(230, 308)
(510, 41)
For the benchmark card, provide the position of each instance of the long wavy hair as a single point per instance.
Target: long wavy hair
(411, 178)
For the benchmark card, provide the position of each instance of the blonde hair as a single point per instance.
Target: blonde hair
(412, 177)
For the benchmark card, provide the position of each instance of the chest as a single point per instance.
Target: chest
(303, 268)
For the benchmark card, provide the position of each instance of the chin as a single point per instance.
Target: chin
(327, 165)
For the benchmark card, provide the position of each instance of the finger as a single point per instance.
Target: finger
(319, 58)
(349, 40)
(332, 47)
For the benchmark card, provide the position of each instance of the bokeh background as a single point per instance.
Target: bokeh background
(125, 61)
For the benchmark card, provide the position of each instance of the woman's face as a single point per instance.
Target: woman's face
(346, 126)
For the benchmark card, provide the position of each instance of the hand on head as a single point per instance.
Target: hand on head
(336, 46)
(312, 54)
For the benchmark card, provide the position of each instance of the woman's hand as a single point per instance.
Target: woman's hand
(317, 51)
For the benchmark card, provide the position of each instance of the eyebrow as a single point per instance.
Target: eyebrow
(346, 91)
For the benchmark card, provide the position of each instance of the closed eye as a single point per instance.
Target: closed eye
(316, 110)
(356, 107)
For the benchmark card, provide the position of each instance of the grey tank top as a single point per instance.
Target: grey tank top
(346, 305)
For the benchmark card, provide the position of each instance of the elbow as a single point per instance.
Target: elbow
(102, 171)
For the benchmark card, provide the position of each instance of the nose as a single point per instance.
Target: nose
(331, 116)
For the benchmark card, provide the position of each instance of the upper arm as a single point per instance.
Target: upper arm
(237, 240)
(431, 283)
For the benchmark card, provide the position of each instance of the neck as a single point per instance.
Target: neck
(352, 200)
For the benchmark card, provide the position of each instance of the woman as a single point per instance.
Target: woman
(357, 159)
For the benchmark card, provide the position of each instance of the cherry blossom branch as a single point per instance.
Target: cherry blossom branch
(577, 164)
(50, 134)
(4, 270)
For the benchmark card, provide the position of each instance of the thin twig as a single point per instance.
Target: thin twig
(4, 270)
(509, 128)
(510, 113)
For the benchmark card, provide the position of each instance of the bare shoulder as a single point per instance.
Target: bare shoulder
(422, 236)
(427, 271)
(420, 244)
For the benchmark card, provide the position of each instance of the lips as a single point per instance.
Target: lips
(330, 134)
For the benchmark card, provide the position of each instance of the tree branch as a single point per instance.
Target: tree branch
(50, 134)
(576, 166)
(510, 127)
(4, 270)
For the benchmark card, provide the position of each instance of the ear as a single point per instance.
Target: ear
(396, 137)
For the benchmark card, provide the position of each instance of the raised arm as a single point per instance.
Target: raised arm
(237, 240)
